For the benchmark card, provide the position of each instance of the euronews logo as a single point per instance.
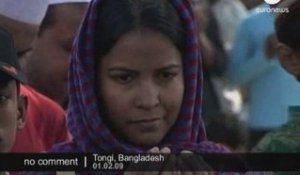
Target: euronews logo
(272, 9)
(272, 2)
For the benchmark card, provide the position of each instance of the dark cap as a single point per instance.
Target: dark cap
(287, 25)
(9, 63)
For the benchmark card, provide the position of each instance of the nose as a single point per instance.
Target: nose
(147, 96)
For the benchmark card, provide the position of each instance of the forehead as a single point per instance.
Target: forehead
(66, 20)
(143, 47)
(69, 9)
(4, 79)
(9, 87)
(68, 15)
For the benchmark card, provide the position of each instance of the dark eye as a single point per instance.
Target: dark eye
(123, 79)
(167, 75)
(3, 98)
(21, 53)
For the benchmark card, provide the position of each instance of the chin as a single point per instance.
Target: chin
(147, 141)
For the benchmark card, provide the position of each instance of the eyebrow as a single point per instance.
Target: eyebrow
(171, 66)
(119, 68)
(21, 53)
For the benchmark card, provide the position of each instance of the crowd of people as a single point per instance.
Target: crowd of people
(149, 76)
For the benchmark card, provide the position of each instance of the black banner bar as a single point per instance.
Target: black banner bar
(149, 162)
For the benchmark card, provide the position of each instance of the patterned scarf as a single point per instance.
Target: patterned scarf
(91, 134)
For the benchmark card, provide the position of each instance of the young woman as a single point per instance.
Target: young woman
(135, 80)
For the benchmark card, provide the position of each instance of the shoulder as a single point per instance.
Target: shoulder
(41, 103)
(285, 139)
(66, 147)
(41, 110)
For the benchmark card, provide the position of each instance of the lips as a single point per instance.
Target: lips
(148, 120)
(146, 125)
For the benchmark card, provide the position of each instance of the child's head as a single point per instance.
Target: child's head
(11, 104)
(287, 30)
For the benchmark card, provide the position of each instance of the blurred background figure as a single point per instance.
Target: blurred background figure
(46, 65)
(254, 65)
(214, 59)
(45, 120)
(228, 14)
(287, 137)
(21, 19)
(287, 27)
(234, 133)
(250, 4)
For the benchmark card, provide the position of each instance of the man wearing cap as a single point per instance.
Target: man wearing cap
(255, 65)
(287, 26)
(21, 19)
(12, 104)
(45, 120)
(287, 30)
(46, 66)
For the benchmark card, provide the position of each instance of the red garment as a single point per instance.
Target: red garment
(45, 124)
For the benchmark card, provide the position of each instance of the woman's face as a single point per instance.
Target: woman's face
(141, 86)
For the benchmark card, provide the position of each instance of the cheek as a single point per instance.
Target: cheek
(172, 98)
(8, 127)
(59, 57)
(56, 64)
(10, 138)
(114, 99)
